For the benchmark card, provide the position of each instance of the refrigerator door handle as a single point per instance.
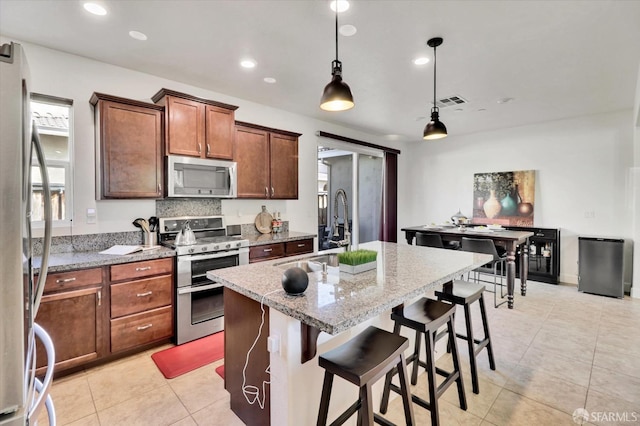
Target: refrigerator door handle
(39, 288)
(45, 387)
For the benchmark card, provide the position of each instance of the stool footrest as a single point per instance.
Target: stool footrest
(481, 344)
(348, 413)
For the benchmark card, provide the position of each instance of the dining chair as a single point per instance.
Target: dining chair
(429, 240)
(496, 267)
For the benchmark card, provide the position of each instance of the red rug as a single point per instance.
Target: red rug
(220, 371)
(181, 359)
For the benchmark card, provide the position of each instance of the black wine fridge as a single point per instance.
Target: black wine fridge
(544, 254)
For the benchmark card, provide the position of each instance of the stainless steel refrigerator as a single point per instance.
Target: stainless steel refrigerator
(22, 394)
(601, 266)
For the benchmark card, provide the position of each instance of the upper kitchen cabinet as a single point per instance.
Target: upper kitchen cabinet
(197, 127)
(267, 162)
(128, 148)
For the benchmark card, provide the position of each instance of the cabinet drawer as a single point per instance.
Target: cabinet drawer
(298, 247)
(139, 329)
(147, 268)
(137, 296)
(72, 280)
(265, 252)
(549, 234)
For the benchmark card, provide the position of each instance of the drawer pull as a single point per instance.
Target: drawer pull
(66, 280)
(146, 268)
(267, 250)
(300, 245)
(144, 327)
(147, 293)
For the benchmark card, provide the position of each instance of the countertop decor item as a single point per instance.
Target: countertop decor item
(435, 129)
(355, 262)
(295, 281)
(264, 221)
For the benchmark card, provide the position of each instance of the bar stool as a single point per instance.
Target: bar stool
(362, 361)
(426, 316)
(464, 293)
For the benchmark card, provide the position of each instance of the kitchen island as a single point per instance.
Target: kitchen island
(334, 308)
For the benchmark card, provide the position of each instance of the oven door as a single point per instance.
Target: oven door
(200, 303)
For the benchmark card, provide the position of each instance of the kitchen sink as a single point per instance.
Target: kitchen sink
(312, 264)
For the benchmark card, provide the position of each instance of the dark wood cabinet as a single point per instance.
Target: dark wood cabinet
(267, 162)
(72, 311)
(197, 127)
(544, 254)
(277, 250)
(128, 148)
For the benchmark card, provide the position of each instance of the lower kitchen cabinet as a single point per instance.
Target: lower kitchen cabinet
(277, 250)
(141, 303)
(72, 311)
(74, 321)
(101, 313)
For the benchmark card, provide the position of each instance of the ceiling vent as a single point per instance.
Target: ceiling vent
(451, 101)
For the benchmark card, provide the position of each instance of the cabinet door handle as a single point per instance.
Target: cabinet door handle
(99, 297)
(208, 149)
(268, 250)
(300, 245)
(266, 191)
(66, 280)
(272, 191)
(145, 268)
(159, 189)
(199, 147)
(146, 293)
(144, 327)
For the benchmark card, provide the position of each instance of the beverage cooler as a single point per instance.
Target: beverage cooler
(603, 265)
(544, 254)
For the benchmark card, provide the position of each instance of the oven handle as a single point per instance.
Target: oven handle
(196, 289)
(193, 257)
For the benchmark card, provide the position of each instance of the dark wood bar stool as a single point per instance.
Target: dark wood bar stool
(362, 361)
(426, 316)
(465, 293)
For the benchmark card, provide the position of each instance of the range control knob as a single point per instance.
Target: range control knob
(191, 250)
(238, 244)
(205, 248)
(228, 246)
(216, 248)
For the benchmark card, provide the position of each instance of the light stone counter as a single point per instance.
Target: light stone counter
(340, 301)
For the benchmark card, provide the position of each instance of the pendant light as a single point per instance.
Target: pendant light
(435, 129)
(337, 94)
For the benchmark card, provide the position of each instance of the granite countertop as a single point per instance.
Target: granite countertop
(340, 301)
(280, 237)
(60, 262)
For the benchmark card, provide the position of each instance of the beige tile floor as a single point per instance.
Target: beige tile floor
(557, 351)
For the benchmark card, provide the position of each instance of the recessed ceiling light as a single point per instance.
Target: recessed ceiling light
(248, 63)
(420, 118)
(348, 30)
(342, 5)
(95, 8)
(269, 80)
(458, 110)
(482, 109)
(138, 35)
(505, 100)
(421, 60)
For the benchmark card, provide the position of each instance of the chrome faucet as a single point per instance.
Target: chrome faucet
(346, 242)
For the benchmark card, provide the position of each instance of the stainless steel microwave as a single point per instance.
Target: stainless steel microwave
(189, 177)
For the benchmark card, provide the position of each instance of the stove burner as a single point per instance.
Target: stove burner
(210, 235)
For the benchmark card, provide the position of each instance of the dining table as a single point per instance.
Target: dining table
(508, 239)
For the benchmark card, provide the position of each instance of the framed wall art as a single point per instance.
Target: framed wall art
(504, 198)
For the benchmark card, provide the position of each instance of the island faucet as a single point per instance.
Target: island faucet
(346, 242)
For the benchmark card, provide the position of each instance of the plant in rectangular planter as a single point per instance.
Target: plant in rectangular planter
(354, 262)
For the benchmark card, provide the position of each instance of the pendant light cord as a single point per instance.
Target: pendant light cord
(336, 31)
(435, 63)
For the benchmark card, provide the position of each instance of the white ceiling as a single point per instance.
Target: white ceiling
(556, 59)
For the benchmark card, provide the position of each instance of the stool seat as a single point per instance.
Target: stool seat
(464, 293)
(361, 359)
(426, 316)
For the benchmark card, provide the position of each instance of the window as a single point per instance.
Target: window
(53, 118)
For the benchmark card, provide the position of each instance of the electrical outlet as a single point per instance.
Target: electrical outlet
(273, 344)
(589, 214)
(91, 216)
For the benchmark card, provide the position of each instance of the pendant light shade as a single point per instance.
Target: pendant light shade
(337, 94)
(435, 129)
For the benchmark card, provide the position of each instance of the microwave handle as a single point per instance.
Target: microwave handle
(232, 178)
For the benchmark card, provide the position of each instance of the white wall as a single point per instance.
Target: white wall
(583, 165)
(68, 76)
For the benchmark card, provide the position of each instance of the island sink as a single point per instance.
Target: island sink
(313, 263)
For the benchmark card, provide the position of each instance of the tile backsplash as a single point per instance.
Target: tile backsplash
(188, 207)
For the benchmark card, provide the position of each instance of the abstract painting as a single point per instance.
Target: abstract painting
(504, 198)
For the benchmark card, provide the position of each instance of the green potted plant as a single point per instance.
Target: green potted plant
(354, 262)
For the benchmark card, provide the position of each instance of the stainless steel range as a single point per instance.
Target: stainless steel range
(199, 301)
